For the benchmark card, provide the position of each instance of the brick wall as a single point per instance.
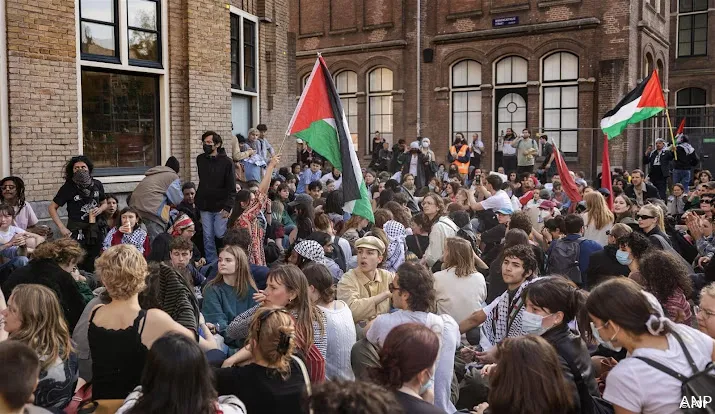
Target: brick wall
(179, 86)
(42, 86)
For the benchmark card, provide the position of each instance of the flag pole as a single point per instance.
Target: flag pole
(672, 136)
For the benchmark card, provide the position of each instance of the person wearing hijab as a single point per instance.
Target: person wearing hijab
(396, 249)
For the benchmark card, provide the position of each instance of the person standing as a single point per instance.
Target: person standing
(414, 162)
(526, 150)
(477, 150)
(686, 159)
(156, 194)
(267, 151)
(508, 152)
(85, 201)
(549, 152)
(459, 155)
(659, 162)
(431, 159)
(217, 191)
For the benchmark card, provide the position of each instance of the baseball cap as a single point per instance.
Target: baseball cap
(372, 243)
(547, 205)
(415, 145)
(505, 211)
(301, 199)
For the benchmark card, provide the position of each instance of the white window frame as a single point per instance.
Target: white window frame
(372, 94)
(453, 90)
(559, 84)
(4, 124)
(255, 101)
(125, 66)
(677, 30)
(349, 95)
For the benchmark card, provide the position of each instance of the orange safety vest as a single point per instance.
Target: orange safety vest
(462, 167)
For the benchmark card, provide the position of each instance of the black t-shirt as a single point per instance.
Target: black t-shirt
(417, 244)
(414, 405)
(262, 389)
(78, 207)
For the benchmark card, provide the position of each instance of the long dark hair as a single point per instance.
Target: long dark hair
(243, 196)
(305, 219)
(664, 274)
(177, 379)
(69, 167)
(558, 294)
(539, 389)
(19, 188)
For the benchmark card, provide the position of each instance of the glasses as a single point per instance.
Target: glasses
(392, 288)
(8, 187)
(644, 217)
(708, 313)
(706, 201)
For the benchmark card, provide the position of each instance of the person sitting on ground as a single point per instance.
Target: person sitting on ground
(13, 194)
(230, 293)
(21, 369)
(395, 254)
(598, 218)
(353, 228)
(413, 295)
(129, 232)
(652, 224)
(239, 237)
(667, 278)
(313, 250)
(55, 265)
(120, 332)
(340, 326)
(632, 247)
(288, 288)
(184, 227)
(441, 227)
(273, 380)
(460, 288)
(354, 397)
(419, 240)
(180, 260)
(562, 254)
(366, 288)
(172, 357)
(15, 243)
(605, 263)
(705, 312)
(34, 317)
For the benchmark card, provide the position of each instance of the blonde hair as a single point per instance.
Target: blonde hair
(43, 323)
(62, 251)
(460, 256)
(273, 332)
(244, 280)
(122, 270)
(657, 212)
(597, 210)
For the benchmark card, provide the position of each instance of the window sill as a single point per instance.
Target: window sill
(455, 16)
(378, 26)
(145, 64)
(114, 179)
(124, 173)
(550, 3)
(307, 35)
(499, 10)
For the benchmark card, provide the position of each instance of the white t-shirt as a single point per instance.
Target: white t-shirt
(500, 200)
(329, 176)
(413, 164)
(383, 324)
(459, 297)
(6, 236)
(638, 387)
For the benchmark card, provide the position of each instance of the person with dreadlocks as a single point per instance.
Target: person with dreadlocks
(85, 200)
(13, 194)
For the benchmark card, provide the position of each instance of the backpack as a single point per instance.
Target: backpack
(590, 404)
(693, 159)
(696, 388)
(468, 235)
(338, 255)
(563, 259)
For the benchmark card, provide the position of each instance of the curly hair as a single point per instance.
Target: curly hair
(416, 280)
(638, 243)
(525, 253)
(63, 251)
(664, 274)
(408, 349)
(382, 216)
(399, 213)
(123, 271)
(69, 167)
(358, 397)
(181, 243)
(19, 189)
(521, 220)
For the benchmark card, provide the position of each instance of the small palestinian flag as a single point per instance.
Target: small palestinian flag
(319, 120)
(643, 102)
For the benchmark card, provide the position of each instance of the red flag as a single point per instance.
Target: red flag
(681, 128)
(567, 182)
(606, 181)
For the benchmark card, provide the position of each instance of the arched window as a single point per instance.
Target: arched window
(690, 97)
(661, 73)
(346, 84)
(304, 81)
(379, 102)
(466, 98)
(559, 80)
(648, 65)
(512, 70)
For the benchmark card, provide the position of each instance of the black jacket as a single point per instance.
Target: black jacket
(217, 182)
(650, 192)
(47, 273)
(603, 264)
(572, 352)
(683, 161)
(664, 162)
(404, 160)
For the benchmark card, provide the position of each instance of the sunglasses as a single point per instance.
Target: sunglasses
(644, 217)
(706, 201)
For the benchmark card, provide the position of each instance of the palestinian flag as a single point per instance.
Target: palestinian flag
(319, 120)
(643, 102)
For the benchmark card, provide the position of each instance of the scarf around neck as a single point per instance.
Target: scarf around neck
(83, 181)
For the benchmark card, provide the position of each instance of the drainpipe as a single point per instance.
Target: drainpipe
(419, 66)
(5, 124)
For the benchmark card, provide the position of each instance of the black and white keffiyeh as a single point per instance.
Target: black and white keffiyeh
(504, 321)
(311, 250)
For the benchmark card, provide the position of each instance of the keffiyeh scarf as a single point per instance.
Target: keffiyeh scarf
(396, 249)
(83, 181)
(311, 250)
(504, 321)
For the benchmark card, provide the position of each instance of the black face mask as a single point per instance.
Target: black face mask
(208, 149)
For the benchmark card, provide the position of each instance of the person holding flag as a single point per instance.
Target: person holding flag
(659, 171)
(686, 159)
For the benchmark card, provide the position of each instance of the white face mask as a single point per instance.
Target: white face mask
(531, 323)
(606, 344)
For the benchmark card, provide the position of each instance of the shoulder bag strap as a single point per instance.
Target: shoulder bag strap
(663, 368)
(306, 378)
(689, 357)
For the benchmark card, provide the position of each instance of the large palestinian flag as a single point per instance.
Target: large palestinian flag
(319, 120)
(643, 102)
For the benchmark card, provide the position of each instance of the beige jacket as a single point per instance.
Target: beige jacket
(359, 293)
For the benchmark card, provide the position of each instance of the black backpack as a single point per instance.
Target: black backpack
(564, 259)
(697, 388)
(338, 255)
(693, 159)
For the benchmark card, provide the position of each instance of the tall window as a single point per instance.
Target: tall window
(466, 98)
(380, 104)
(560, 100)
(244, 53)
(99, 30)
(346, 84)
(512, 70)
(690, 97)
(692, 27)
(690, 104)
(122, 67)
(648, 65)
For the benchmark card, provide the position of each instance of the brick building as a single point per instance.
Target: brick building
(131, 82)
(554, 66)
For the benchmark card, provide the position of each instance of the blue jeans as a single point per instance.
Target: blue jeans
(253, 172)
(682, 177)
(214, 227)
(16, 262)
